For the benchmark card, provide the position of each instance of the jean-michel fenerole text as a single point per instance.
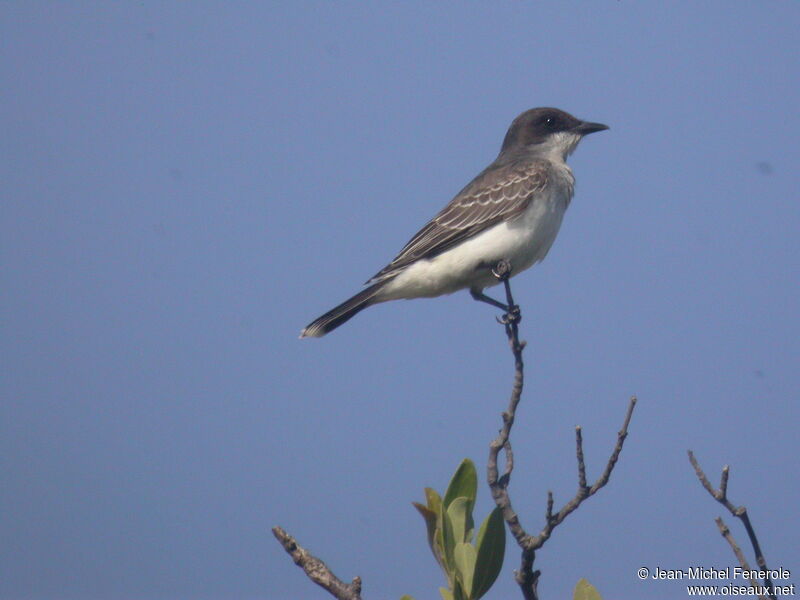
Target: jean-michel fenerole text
(726, 573)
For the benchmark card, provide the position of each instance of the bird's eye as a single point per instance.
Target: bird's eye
(549, 121)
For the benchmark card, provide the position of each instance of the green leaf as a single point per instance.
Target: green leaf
(432, 513)
(491, 547)
(433, 499)
(459, 517)
(439, 551)
(446, 594)
(458, 591)
(427, 514)
(406, 597)
(470, 533)
(431, 519)
(585, 591)
(449, 539)
(464, 483)
(465, 565)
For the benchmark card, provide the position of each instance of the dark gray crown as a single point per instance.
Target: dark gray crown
(537, 124)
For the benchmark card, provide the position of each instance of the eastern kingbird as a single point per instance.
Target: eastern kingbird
(511, 211)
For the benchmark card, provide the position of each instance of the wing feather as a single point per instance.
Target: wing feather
(499, 193)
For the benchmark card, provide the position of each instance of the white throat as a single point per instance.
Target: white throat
(558, 146)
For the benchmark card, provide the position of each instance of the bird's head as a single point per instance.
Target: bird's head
(549, 131)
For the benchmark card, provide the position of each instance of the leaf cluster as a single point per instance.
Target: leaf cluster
(470, 568)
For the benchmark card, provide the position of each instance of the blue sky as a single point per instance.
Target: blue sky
(185, 186)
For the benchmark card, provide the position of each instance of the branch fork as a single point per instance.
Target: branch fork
(526, 577)
(740, 512)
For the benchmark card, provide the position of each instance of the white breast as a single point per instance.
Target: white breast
(523, 241)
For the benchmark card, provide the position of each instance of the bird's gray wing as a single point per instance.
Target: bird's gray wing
(498, 194)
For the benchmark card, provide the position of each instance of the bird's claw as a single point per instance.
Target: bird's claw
(513, 315)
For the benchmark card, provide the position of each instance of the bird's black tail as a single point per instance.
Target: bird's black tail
(344, 312)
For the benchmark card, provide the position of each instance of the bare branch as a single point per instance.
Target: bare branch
(723, 481)
(316, 570)
(548, 515)
(579, 454)
(740, 512)
(526, 577)
(585, 492)
(612, 460)
(720, 495)
(726, 533)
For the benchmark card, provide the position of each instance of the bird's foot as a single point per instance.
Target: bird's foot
(512, 315)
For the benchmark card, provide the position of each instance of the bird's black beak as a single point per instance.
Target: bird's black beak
(585, 128)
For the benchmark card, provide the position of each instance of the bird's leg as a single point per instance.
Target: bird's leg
(502, 271)
(481, 297)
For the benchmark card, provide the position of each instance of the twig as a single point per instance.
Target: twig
(526, 577)
(584, 491)
(740, 512)
(726, 533)
(316, 570)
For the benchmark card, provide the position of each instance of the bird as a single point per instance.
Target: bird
(511, 211)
